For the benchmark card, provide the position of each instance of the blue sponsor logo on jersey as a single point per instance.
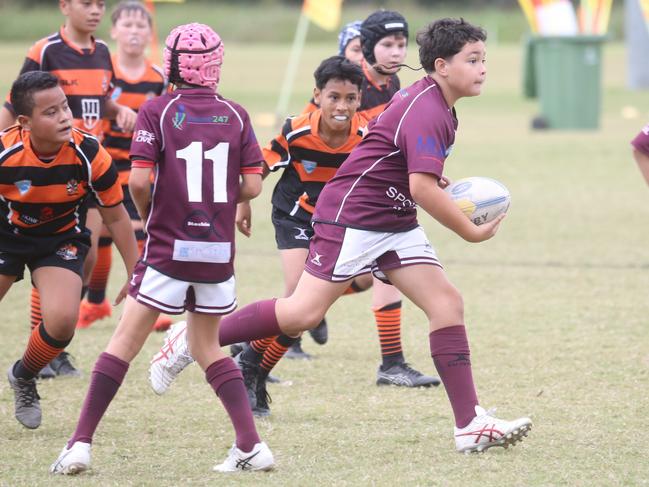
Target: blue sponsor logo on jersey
(309, 166)
(430, 147)
(23, 186)
(179, 117)
(404, 93)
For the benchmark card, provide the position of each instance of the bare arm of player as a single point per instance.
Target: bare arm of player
(6, 118)
(119, 224)
(250, 187)
(244, 218)
(642, 160)
(139, 185)
(427, 193)
(124, 117)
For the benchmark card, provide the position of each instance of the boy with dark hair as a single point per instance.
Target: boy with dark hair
(82, 64)
(188, 258)
(366, 219)
(48, 170)
(136, 81)
(382, 39)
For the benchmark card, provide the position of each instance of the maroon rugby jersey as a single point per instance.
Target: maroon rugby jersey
(200, 144)
(641, 141)
(370, 191)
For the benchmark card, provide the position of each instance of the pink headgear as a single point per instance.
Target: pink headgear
(193, 53)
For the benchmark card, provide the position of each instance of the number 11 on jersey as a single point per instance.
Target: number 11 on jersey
(193, 155)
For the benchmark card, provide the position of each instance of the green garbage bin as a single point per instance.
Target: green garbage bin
(568, 80)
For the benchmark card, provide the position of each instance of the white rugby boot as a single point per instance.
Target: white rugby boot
(259, 458)
(171, 360)
(73, 460)
(485, 431)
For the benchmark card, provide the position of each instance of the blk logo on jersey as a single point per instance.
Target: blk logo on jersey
(90, 112)
(23, 186)
(68, 252)
(301, 234)
(144, 137)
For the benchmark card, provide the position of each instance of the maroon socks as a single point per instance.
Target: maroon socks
(449, 348)
(252, 322)
(107, 377)
(226, 380)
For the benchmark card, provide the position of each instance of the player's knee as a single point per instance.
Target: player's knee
(61, 321)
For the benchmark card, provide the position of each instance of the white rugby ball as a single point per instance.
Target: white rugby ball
(480, 199)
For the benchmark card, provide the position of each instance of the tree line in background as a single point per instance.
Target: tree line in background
(431, 3)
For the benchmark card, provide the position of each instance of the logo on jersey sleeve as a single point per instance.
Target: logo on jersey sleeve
(23, 186)
(144, 137)
(90, 112)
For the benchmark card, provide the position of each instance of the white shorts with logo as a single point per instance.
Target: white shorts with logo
(173, 296)
(339, 253)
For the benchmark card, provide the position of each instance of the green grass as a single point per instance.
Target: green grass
(556, 308)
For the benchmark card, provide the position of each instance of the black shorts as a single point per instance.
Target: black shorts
(66, 251)
(291, 232)
(130, 204)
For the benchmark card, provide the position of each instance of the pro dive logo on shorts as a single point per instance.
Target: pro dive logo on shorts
(179, 117)
(309, 166)
(68, 252)
(23, 186)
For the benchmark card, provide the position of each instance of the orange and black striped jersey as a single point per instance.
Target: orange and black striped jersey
(86, 76)
(40, 197)
(132, 93)
(374, 98)
(307, 161)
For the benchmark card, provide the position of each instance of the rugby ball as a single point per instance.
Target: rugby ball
(480, 199)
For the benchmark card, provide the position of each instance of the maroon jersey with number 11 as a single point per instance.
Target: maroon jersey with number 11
(200, 144)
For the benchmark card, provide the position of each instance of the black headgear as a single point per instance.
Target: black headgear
(378, 25)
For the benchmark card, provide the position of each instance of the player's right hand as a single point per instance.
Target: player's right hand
(488, 230)
(244, 218)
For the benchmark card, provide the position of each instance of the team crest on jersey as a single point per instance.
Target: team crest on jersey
(68, 252)
(72, 187)
(23, 186)
(90, 112)
(309, 166)
(179, 117)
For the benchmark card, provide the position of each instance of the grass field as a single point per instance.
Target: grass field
(556, 307)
